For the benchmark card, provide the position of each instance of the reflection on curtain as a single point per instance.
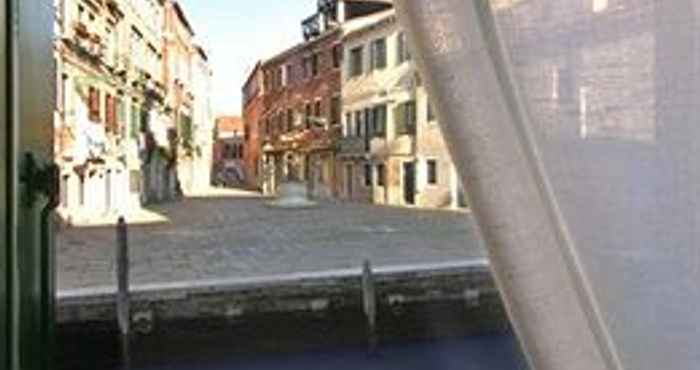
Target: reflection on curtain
(575, 124)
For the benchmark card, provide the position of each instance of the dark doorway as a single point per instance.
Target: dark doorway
(409, 182)
(348, 181)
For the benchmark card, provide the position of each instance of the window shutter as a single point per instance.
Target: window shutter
(400, 119)
(411, 117)
(380, 120)
(94, 104)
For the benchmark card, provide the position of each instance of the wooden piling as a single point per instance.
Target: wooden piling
(122, 299)
(123, 302)
(369, 300)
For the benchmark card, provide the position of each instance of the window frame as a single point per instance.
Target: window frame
(432, 172)
(368, 175)
(380, 177)
(356, 61)
(378, 56)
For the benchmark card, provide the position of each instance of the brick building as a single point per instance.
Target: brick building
(252, 111)
(300, 114)
(228, 166)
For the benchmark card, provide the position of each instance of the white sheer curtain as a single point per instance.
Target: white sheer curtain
(576, 127)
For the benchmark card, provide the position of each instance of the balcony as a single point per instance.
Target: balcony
(399, 146)
(89, 43)
(352, 145)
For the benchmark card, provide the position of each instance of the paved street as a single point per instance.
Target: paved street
(232, 236)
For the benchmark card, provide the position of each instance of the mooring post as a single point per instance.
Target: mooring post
(122, 299)
(123, 276)
(369, 300)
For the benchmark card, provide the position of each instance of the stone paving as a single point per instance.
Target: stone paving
(237, 236)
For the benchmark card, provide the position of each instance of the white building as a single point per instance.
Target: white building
(108, 61)
(195, 173)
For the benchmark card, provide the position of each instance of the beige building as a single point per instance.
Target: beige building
(392, 150)
(107, 57)
(122, 107)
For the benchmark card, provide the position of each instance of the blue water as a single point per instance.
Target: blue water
(493, 352)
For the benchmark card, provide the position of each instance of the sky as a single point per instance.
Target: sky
(238, 33)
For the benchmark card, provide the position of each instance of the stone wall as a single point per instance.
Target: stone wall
(468, 286)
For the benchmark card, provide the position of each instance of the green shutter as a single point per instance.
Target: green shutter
(134, 121)
(400, 119)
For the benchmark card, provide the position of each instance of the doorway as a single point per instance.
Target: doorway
(348, 181)
(409, 183)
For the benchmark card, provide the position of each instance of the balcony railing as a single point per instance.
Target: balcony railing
(351, 145)
(89, 42)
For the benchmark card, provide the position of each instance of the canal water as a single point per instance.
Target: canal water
(487, 352)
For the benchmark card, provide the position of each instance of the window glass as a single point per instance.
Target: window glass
(368, 174)
(378, 50)
(432, 172)
(381, 175)
(356, 62)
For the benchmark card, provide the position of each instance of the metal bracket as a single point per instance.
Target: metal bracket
(40, 180)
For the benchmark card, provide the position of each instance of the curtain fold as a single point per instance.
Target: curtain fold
(574, 127)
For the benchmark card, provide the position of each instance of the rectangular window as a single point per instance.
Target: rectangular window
(94, 104)
(307, 115)
(283, 75)
(356, 61)
(335, 110)
(121, 117)
(135, 121)
(290, 120)
(378, 51)
(306, 66)
(402, 53)
(337, 55)
(348, 125)
(432, 172)
(405, 118)
(314, 65)
(379, 120)
(381, 174)
(317, 109)
(288, 74)
(110, 114)
(369, 122)
(431, 113)
(358, 123)
(368, 174)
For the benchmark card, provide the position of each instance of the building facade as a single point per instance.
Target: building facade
(301, 114)
(253, 92)
(195, 171)
(115, 134)
(300, 119)
(229, 162)
(392, 150)
(108, 62)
